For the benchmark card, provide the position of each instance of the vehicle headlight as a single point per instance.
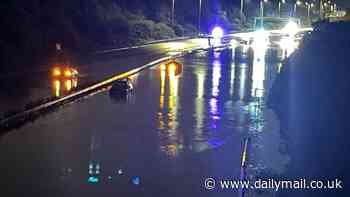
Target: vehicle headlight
(68, 73)
(291, 28)
(217, 32)
(56, 72)
(261, 38)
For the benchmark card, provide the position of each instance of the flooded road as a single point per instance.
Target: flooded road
(18, 90)
(180, 126)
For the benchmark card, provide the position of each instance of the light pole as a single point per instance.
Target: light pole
(297, 3)
(242, 9)
(321, 9)
(280, 2)
(262, 12)
(173, 12)
(309, 6)
(199, 15)
(326, 8)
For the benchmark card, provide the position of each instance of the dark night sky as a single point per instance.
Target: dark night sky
(343, 3)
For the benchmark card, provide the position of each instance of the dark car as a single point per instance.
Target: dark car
(121, 91)
(122, 87)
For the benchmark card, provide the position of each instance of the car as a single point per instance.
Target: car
(122, 87)
(122, 91)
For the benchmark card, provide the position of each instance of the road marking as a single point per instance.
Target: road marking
(243, 165)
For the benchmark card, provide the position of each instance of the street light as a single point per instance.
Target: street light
(199, 15)
(327, 8)
(321, 9)
(262, 13)
(242, 9)
(297, 3)
(309, 6)
(173, 12)
(280, 2)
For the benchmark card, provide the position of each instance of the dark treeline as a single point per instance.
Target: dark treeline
(30, 28)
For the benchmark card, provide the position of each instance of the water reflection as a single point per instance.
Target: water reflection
(200, 73)
(221, 93)
(258, 74)
(168, 103)
(123, 91)
(232, 78)
(253, 78)
(126, 138)
(63, 86)
(216, 75)
(288, 46)
(213, 102)
(242, 82)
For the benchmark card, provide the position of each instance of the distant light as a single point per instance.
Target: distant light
(261, 39)
(234, 43)
(120, 171)
(217, 32)
(261, 33)
(216, 54)
(74, 71)
(291, 28)
(93, 179)
(288, 45)
(68, 73)
(136, 180)
(56, 72)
